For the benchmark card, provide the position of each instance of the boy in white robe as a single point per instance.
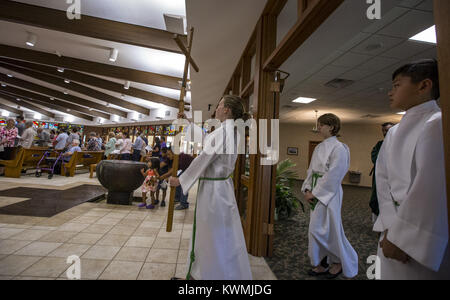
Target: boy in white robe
(217, 249)
(322, 188)
(410, 177)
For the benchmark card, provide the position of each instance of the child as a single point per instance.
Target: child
(150, 182)
(410, 176)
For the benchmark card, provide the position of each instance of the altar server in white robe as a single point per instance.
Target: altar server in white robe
(217, 248)
(322, 188)
(410, 177)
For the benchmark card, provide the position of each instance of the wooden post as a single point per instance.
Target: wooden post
(441, 12)
(181, 110)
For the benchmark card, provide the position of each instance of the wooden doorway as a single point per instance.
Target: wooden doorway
(312, 146)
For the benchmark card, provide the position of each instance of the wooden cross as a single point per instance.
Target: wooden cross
(187, 52)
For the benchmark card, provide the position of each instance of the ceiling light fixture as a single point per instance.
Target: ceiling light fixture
(426, 36)
(51, 98)
(304, 100)
(66, 80)
(61, 70)
(401, 113)
(66, 92)
(32, 39)
(113, 55)
(18, 99)
(127, 85)
(122, 96)
(9, 75)
(3, 85)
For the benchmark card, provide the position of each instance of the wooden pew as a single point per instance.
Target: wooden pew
(85, 158)
(24, 159)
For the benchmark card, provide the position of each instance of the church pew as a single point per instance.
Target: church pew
(84, 158)
(24, 159)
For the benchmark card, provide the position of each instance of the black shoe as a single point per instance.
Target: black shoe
(181, 207)
(163, 203)
(333, 276)
(313, 273)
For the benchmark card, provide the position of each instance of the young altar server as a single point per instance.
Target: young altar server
(217, 249)
(410, 177)
(322, 188)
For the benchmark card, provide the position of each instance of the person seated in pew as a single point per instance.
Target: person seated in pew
(66, 156)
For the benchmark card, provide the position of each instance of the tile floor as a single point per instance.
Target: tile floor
(113, 242)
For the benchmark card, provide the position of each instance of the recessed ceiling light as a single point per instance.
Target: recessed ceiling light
(32, 39)
(113, 55)
(61, 70)
(18, 99)
(66, 92)
(68, 109)
(427, 36)
(304, 100)
(66, 80)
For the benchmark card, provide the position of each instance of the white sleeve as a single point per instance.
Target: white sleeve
(307, 184)
(329, 184)
(385, 203)
(195, 170)
(421, 226)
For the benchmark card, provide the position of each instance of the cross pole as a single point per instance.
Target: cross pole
(187, 53)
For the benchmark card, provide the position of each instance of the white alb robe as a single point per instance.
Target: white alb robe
(220, 249)
(331, 159)
(410, 175)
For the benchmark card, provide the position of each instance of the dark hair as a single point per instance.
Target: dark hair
(387, 124)
(163, 139)
(164, 150)
(126, 134)
(236, 105)
(419, 71)
(331, 120)
(155, 163)
(74, 130)
(157, 141)
(20, 118)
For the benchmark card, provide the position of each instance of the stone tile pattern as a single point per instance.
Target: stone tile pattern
(113, 242)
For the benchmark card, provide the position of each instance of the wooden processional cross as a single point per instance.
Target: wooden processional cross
(187, 52)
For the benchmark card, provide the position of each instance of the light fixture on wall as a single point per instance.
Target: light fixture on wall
(32, 39)
(127, 85)
(113, 54)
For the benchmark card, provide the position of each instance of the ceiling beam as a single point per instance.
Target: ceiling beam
(314, 16)
(60, 95)
(89, 67)
(119, 32)
(27, 105)
(77, 88)
(66, 105)
(11, 109)
(94, 81)
(53, 104)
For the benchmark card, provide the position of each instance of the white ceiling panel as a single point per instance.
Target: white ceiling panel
(407, 49)
(409, 25)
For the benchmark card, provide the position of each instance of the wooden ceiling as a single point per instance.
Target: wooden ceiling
(78, 73)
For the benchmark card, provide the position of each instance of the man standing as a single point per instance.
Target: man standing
(138, 145)
(73, 136)
(26, 140)
(61, 140)
(373, 198)
(44, 137)
(20, 125)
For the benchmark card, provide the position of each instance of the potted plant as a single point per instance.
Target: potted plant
(286, 202)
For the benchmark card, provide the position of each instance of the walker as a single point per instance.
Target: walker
(50, 161)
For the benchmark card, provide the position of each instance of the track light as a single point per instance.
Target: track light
(127, 85)
(66, 80)
(32, 39)
(61, 70)
(10, 75)
(113, 54)
(66, 92)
